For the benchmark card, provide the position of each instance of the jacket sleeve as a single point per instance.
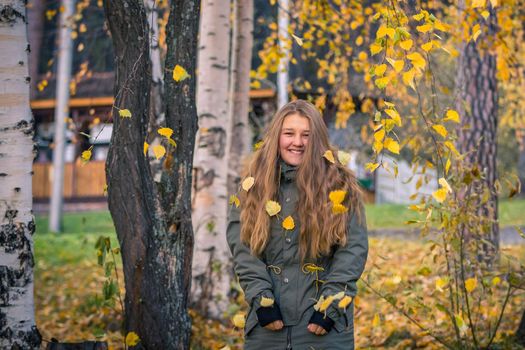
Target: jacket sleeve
(348, 263)
(254, 277)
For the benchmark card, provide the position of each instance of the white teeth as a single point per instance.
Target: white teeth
(296, 152)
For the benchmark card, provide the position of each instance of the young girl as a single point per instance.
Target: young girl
(298, 239)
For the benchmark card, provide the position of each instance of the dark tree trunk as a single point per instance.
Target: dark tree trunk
(520, 333)
(478, 107)
(152, 212)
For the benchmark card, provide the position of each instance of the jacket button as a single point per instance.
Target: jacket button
(285, 280)
(288, 239)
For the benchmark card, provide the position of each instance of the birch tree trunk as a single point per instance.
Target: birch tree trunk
(152, 212)
(242, 58)
(17, 317)
(211, 277)
(478, 106)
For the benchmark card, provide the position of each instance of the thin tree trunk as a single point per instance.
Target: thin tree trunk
(65, 56)
(478, 107)
(152, 215)
(211, 278)
(17, 316)
(284, 36)
(35, 15)
(241, 133)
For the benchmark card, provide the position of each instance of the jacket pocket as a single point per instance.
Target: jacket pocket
(251, 322)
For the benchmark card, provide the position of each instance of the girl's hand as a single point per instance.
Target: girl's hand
(316, 329)
(275, 325)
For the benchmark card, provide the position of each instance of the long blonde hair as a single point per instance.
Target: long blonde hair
(320, 229)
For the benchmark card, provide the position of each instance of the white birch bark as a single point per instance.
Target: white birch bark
(242, 58)
(17, 320)
(284, 38)
(211, 275)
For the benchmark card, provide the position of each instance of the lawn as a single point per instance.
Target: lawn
(68, 283)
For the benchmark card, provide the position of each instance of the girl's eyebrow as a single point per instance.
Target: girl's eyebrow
(292, 129)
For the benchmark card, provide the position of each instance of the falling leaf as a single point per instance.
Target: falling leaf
(146, 146)
(298, 40)
(470, 284)
(406, 44)
(440, 129)
(272, 208)
(339, 209)
(376, 321)
(179, 73)
(345, 302)
(159, 151)
(266, 302)
(337, 197)
(166, 132)
(248, 183)
(124, 113)
(452, 115)
(288, 223)
(239, 320)
(440, 195)
(234, 200)
(132, 339)
(329, 156)
(343, 157)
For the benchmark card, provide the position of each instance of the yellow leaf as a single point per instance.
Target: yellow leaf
(345, 302)
(166, 132)
(427, 46)
(381, 31)
(359, 40)
(132, 339)
(288, 223)
(440, 129)
(496, 280)
(478, 3)
(443, 182)
(440, 195)
(494, 3)
(86, 155)
(382, 82)
(159, 151)
(339, 209)
(337, 197)
(392, 113)
(124, 113)
(485, 14)
(419, 16)
(239, 320)
(248, 183)
(266, 302)
(298, 40)
(343, 157)
(329, 156)
(371, 166)
(146, 146)
(375, 49)
(272, 208)
(398, 65)
(376, 321)
(235, 200)
(417, 60)
(451, 147)
(392, 145)
(319, 302)
(447, 166)
(470, 284)
(408, 78)
(452, 115)
(440, 26)
(339, 296)
(379, 135)
(406, 44)
(441, 283)
(179, 73)
(461, 323)
(326, 303)
(424, 28)
(380, 70)
(258, 145)
(476, 35)
(171, 142)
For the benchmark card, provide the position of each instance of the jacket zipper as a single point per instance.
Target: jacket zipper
(289, 338)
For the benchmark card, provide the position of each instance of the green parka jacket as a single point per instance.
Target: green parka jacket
(279, 274)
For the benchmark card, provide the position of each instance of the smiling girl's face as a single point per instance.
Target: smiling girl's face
(294, 138)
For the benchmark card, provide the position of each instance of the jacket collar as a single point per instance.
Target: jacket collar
(288, 172)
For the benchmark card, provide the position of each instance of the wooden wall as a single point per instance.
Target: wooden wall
(80, 180)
